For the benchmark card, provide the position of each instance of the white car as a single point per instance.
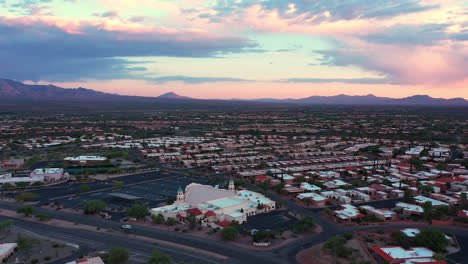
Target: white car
(127, 226)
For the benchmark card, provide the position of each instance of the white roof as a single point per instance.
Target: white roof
(84, 158)
(410, 207)
(47, 171)
(312, 196)
(5, 247)
(434, 202)
(401, 253)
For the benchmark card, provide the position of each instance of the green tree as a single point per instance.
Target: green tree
(26, 210)
(43, 217)
(84, 188)
(402, 239)
(171, 221)
(26, 196)
(157, 219)
(26, 243)
(5, 225)
(432, 238)
(263, 235)
(306, 224)
(336, 247)
(428, 211)
(7, 186)
(137, 211)
(159, 258)
(94, 206)
(408, 197)
(117, 255)
(229, 233)
(118, 184)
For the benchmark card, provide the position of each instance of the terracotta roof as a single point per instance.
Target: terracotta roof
(194, 211)
(178, 216)
(224, 223)
(210, 213)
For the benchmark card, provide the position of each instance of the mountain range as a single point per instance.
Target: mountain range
(13, 90)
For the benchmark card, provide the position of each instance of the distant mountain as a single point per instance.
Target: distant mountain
(172, 95)
(16, 90)
(13, 90)
(371, 99)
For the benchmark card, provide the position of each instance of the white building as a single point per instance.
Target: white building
(9, 178)
(6, 250)
(51, 174)
(211, 205)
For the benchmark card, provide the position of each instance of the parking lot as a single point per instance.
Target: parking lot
(274, 220)
(152, 194)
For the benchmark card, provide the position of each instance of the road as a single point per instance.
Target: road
(142, 248)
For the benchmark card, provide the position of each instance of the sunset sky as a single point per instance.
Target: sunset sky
(239, 48)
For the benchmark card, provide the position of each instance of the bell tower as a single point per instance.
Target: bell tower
(231, 186)
(180, 195)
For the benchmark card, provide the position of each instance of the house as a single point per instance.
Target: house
(12, 163)
(332, 195)
(397, 255)
(309, 187)
(333, 184)
(409, 209)
(348, 212)
(420, 199)
(382, 214)
(316, 199)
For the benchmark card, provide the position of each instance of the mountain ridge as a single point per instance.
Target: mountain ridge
(10, 89)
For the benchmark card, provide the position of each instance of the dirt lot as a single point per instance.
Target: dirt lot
(34, 249)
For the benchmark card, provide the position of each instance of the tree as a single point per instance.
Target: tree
(117, 255)
(94, 206)
(7, 186)
(408, 197)
(84, 188)
(229, 233)
(402, 239)
(118, 184)
(432, 238)
(306, 224)
(157, 219)
(137, 211)
(262, 235)
(26, 210)
(427, 189)
(26, 243)
(26, 196)
(428, 211)
(5, 225)
(43, 217)
(159, 258)
(171, 221)
(336, 246)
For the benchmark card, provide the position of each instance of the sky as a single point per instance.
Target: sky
(239, 48)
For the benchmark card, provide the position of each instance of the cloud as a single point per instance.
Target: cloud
(339, 80)
(37, 49)
(193, 80)
(428, 34)
(326, 10)
(430, 65)
(108, 14)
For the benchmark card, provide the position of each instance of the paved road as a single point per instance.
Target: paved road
(235, 254)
